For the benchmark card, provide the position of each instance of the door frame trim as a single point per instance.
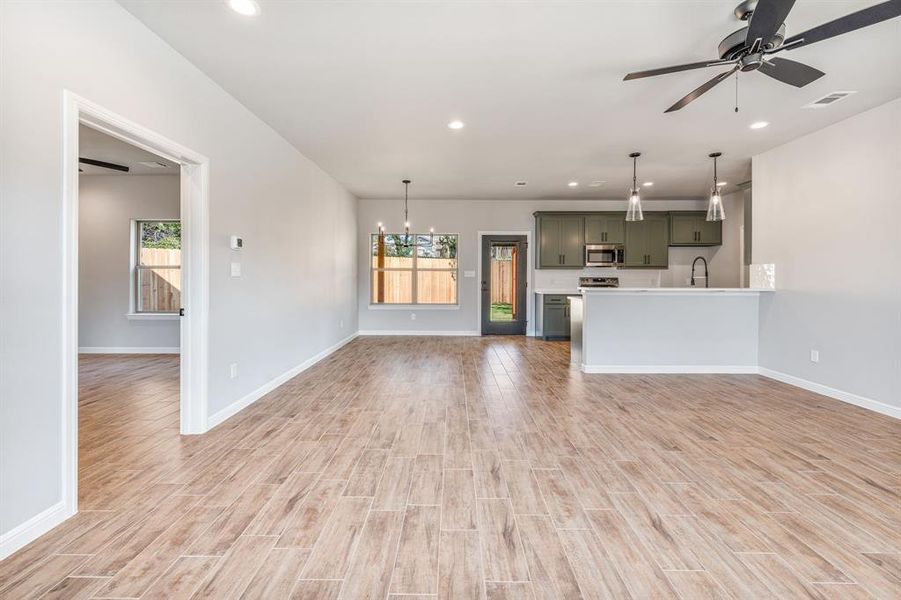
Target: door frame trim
(530, 305)
(194, 186)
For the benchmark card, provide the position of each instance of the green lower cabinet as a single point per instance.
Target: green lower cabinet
(647, 242)
(693, 229)
(555, 318)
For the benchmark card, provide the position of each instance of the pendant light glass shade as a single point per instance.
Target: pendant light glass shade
(633, 210)
(715, 211)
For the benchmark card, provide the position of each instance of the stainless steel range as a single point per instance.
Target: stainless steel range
(598, 282)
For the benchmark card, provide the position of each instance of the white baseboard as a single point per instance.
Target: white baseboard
(647, 369)
(129, 350)
(267, 387)
(818, 388)
(417, 332)
(22, 535)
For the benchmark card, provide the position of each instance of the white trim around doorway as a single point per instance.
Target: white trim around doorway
(195, 283)
(530, 317)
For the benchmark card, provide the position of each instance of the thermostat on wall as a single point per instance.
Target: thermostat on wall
(237, 242)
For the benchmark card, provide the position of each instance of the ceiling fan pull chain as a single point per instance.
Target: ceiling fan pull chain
(736, 91)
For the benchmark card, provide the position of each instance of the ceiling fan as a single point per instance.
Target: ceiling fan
(102, 163)
(752, 48)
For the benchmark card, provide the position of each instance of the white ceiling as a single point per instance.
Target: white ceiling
(99, 146)
(366, 89)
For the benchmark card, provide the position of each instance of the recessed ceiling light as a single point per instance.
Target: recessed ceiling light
(573, 184)
(596, 183)
(648, 183)
(248, 8)
(521, 183)
(721, 183)
(759, 125)
(456, 125)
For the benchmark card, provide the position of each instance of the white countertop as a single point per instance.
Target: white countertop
(672, 290)
(563, 292)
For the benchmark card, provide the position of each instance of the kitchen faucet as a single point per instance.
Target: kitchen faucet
(706, 274)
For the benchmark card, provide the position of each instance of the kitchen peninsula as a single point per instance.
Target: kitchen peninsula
(668, 330)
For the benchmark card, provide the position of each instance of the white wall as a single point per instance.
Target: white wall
(106, 206)
(726, 260)
(827, 213)
(468, 217)
(299, 224)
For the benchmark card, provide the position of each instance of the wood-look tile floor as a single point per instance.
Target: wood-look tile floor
(473, 468)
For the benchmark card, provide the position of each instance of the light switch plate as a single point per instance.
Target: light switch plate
(469, 273)
(236, 269)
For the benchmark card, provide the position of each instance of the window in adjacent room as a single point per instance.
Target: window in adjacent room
(156, 267)
(414, 269)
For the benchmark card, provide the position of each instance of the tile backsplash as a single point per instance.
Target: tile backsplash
(678, 274)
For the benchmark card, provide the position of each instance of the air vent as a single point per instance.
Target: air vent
(829, 99)
(153, 164)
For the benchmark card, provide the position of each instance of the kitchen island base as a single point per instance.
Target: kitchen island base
(670, 330)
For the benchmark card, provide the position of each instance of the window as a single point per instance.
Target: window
(156, 267)
(414, 269)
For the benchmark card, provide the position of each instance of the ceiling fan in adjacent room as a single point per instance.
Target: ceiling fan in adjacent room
(102, 163)
(752, 48)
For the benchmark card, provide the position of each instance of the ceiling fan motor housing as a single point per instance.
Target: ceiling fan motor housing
(744, 10)
(735, 44)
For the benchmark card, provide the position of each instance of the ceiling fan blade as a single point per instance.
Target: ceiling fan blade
(677, 68)
(103, 163)
(856, 20)
(767, 18)
(697, 93)
(790, 71)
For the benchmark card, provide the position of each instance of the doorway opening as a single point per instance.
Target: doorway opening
(504, 271)
(129, 334)
(135, 285)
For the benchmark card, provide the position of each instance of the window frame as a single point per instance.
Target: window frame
(414, 270)
(133, 268)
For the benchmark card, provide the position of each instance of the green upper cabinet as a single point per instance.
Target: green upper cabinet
(647, 241)
(561, 241)
(573, 241)
(548, 241)
(605, 228)
(693, 229)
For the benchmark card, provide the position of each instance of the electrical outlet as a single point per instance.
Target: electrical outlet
(412, 316)
(815, 356)
(233, 370)
(235, 269)
(341, 324)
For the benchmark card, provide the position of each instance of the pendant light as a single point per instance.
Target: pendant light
(406, 183)
(633, 212)
(715, 210)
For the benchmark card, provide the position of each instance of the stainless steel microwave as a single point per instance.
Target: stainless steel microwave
(604, 255)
